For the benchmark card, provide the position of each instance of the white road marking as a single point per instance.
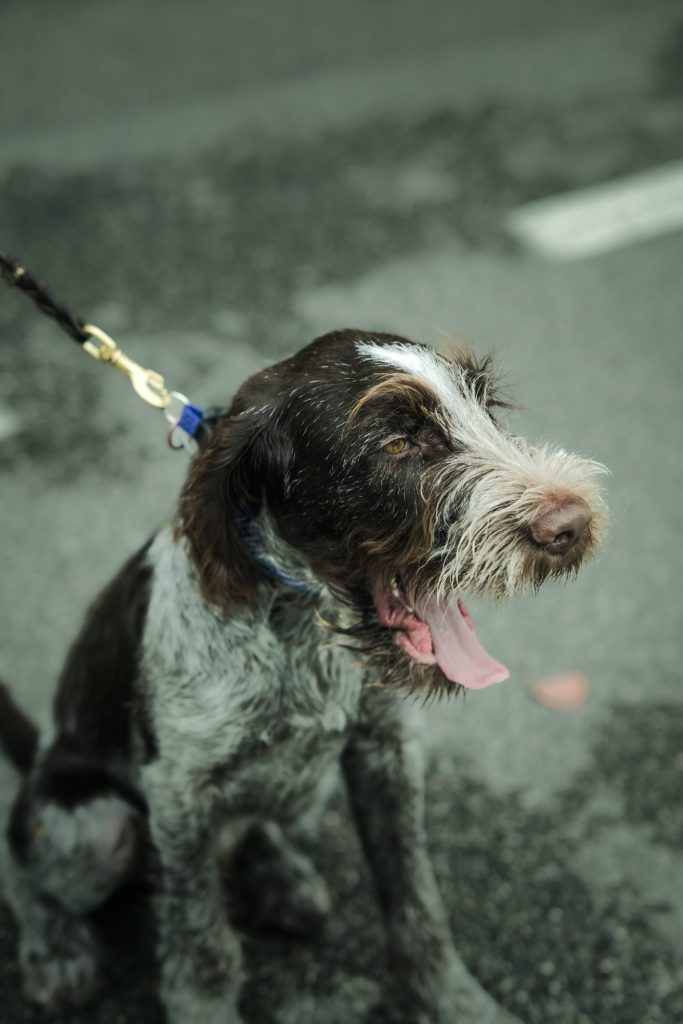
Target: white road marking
(603, 217)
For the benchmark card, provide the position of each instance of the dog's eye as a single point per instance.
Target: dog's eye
(397, 446)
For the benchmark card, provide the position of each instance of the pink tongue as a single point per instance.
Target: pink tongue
(458, 653)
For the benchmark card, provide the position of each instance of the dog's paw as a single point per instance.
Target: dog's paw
(274, 885)
(299, 905)
(303, 909)
(60, 969)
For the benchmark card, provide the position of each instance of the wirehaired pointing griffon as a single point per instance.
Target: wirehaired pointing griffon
(315, 573)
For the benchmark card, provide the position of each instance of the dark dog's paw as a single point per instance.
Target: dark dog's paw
(300, 909)
(61, 969)
(274, 885)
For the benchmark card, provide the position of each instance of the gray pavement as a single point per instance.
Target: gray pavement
(215, 184)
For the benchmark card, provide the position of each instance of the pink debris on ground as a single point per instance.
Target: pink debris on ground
(562, 692)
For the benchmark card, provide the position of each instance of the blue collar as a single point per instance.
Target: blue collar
(251, 538)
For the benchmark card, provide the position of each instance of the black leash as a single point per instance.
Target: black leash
(189, 424)
(21, 278)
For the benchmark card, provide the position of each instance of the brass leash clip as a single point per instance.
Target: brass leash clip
(148, 384)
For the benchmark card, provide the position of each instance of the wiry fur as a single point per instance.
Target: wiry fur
(236, 711)
(480, 499)
(485, 502)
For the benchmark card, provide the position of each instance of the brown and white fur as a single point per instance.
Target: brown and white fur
(262, 645)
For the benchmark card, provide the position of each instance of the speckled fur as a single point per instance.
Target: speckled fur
(253, 696)
(257, 740)
(248, 719)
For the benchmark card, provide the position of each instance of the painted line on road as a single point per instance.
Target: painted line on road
(603, 217)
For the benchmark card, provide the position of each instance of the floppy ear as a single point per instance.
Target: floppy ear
(245, 460)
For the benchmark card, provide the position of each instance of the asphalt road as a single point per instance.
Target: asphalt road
(216, 184)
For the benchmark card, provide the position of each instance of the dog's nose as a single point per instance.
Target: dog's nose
(561, 524)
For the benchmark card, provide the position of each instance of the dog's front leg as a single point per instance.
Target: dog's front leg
(429, 984)
(199, 954)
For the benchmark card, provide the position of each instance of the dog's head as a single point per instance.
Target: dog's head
(376, 468)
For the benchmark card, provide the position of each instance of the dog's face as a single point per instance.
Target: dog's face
(385, 473)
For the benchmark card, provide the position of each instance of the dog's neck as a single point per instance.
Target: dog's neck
(277, 560)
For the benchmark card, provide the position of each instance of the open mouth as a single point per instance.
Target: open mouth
(435, 631)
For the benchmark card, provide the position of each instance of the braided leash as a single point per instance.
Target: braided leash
(21, 278)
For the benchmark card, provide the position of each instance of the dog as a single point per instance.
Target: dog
(261, 645)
